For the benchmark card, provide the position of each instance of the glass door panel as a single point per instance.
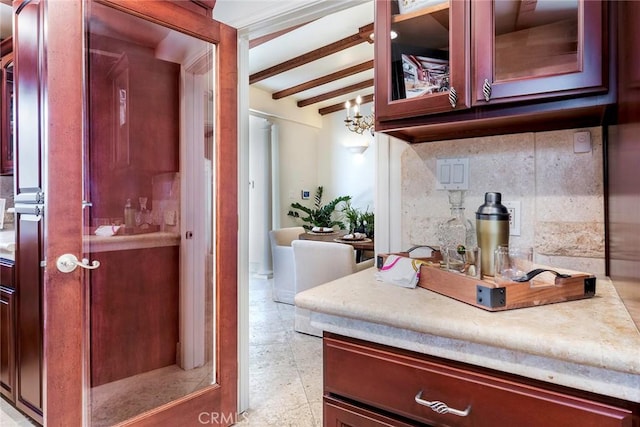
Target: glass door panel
(536, 39)
(422, 64)
(149, 184)
(419, 49)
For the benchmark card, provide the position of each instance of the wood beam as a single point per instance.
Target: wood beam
(324, 80)
(337, 107)
(267, 37)
(311, 56)
(347, 89)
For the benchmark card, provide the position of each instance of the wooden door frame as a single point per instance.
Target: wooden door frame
(65, 387)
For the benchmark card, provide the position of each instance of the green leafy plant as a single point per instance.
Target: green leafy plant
(320, 215)
(367, 220)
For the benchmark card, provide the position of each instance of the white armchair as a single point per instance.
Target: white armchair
(317, 263)
(282, 257)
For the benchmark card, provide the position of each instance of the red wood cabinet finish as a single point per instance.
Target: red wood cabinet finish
(7, 342)
(388, 380)
(559, 97)
(28, 45)
(586, 75)
(387, 57)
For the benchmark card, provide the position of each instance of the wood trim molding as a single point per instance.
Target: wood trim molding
(171, 16)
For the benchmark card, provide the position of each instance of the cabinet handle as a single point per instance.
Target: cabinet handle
(486, 90)
(453, 97)
(441, 407)
(68, 262)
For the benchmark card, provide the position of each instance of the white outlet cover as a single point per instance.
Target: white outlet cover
(515, 210)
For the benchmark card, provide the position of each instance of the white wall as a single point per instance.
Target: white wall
(342, 172)
(311, 152)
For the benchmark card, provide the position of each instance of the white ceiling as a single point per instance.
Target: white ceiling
(334, 20)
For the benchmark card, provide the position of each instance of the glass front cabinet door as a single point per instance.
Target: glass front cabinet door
(525, 50)
(422, 57)
(448, 60)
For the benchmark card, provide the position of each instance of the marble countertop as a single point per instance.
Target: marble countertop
(591, 344)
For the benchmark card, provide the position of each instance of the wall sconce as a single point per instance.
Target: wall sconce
(357, 149)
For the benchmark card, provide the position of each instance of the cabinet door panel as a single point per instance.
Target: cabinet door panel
(421, 59)
(537, 51)
(7, 343)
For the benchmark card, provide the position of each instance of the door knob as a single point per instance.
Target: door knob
(68, 262)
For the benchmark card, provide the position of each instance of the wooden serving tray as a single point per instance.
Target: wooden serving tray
(490, 296)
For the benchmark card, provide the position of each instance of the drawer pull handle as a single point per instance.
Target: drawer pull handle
(441, 407)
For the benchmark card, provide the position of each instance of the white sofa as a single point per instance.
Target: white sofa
(282, 257)
(317, 263)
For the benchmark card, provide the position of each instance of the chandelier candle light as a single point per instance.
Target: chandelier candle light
(358, 123)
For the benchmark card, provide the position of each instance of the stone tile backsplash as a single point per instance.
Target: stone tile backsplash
(561, 192)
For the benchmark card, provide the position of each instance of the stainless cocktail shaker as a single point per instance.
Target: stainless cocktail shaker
(492, 229)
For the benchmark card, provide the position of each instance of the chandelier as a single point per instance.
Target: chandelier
(358, 123)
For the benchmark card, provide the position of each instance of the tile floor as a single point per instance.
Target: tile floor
(285, 373)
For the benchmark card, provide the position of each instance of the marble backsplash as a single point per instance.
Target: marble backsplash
(561, 192)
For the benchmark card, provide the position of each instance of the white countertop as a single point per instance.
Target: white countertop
(590, 344)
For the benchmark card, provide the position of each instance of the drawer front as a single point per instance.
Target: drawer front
(390, 380)
(342, 414)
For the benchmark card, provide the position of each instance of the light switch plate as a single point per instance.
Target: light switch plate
(452, 173)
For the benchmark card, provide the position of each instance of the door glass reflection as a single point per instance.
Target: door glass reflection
(148, 174)
(536, 38)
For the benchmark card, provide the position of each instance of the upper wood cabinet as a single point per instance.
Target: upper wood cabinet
(421, 59)
(490, 67)
(535, 50)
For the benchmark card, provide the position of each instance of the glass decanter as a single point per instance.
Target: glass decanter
(457, 230)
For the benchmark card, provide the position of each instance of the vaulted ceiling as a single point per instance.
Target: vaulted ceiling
(319, 64)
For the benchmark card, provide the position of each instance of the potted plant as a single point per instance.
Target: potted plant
(320, 215)
(367, 221)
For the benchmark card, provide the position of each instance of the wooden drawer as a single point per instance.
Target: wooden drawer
(339, 413)
(390, 379)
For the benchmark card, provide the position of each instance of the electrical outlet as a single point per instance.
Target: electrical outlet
(514, 209)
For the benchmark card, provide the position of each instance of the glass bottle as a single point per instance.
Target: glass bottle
(457, 230)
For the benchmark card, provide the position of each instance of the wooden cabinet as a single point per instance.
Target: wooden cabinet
(7, 342)
(413, 388)
(424, 67)
(535, 51)
(460, 68)
(6, 107)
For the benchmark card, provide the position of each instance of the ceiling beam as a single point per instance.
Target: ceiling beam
(334, 93)
(337, 107)
(267, 37)
(324, 80)
(311, 56)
